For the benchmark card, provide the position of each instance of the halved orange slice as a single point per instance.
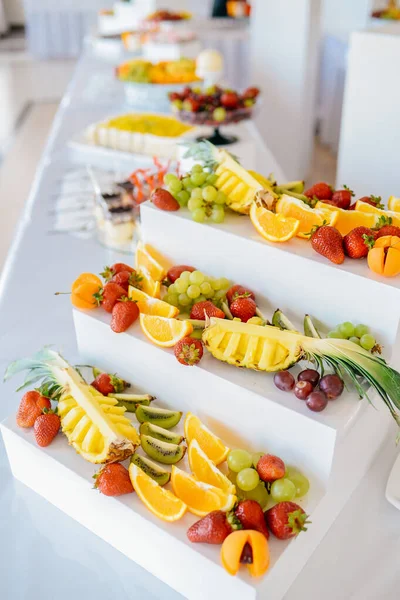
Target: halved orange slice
(161, 502)
(349, 219)
(214, 448)
(163, 331)
(200, 498)
(204, 469)
(152, 306)
(149, 259)
(273, 227)
(364, 207)
(308, 217)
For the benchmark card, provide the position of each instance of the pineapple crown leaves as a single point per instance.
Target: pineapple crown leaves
(346, 187)
(39, 368)
(382, 221)
(202, 151)
(369, 240)
(297, 521)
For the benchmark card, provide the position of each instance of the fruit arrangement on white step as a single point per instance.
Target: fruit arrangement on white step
(336, 227)
(199, 311)
(239, 497)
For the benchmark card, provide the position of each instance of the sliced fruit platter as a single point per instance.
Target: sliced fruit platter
(196, 310)
(238, 497)
(140, 71)
(335, 226)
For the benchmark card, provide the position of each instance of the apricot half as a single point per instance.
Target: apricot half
(232, 548)
(384, 257)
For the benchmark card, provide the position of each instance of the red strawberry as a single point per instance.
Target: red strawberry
(30, 408)
(109, 295)
(200, 309)
(238, 290)
(388, 230)
(122, 279)
(270, 468)
(113, 480)
(124, 314)
(108, 384)
(244, 308)
(175, 272)
(189, 351)
(164, 200)
(342, 198)
(373, 201)
(328, 242)
(322, 191)
(251, 516)
(286, 520)
(358, 242)
(211, 529)
(46, 427)
(116, 268)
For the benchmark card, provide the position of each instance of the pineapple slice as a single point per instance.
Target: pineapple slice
(263, 348)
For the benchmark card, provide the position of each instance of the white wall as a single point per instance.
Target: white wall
(340, 16)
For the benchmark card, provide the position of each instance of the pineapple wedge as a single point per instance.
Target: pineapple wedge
(94, 425)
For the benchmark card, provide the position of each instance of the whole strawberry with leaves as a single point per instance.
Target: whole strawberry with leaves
(124, 314)
(328, 241)
(189, 351)
(46, 427)
(113, 480)
(109, 295)
(342, 198)
(110, 272)
(358, 242)
(30, 408)
(214, 528)
(320, 191)
(286, 520)
(384, 227)
(106, 383)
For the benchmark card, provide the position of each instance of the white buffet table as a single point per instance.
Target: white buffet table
(43, 551)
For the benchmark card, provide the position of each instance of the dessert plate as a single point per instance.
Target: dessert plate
(393, 484)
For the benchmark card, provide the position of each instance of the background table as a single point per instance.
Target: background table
(45, 553)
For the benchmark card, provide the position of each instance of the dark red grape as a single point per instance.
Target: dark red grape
(332, 386)
(303, 389)
(317, 401)
(284, 381)
(310, 375)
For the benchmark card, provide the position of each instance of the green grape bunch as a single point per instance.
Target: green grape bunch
(194, 287)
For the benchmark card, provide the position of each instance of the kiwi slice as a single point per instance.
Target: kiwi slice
(280, 320)
(158, 416)
(151, 469)
(160, 433)
(163, 452)
(131, 401)
(309, 328)
(293, 186)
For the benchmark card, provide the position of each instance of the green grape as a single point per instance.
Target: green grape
(346, 329)
(197, 193)
(190, 188)
(256, 457)
(172, 289)
(212, 179)
(185, 276)
(186, 182)
(219, 114)
(205, 288)
(290, 471)
(259, 494)
(194, 203)
(201, 298)
(199, 215)
(217, 214)
(196, 277)
(247, 479)
(216, 284)
(184, 300)
(239, 460)
(335, 334)
(183, 197)
(220, 198)
(219, 294)
(193, 291)
(175, 186)
(355, 340)
(367, 341)
(283, 490)
(209, 193)
(225, 283)
(210, 294)
(167, 298)
(170, 178)
(198, 179)
(181, 285)
(301, 484)
(361, 330)
(173, 299)
(197, 169)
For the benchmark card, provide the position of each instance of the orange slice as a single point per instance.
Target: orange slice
(152, 306)
(394, 204)
(200, 498)
(308, 217)
(213, 447)
(204, 469)
(149, 285)
(273, 227)
(161, 502)
(367, 208)
(149, 260)
(163, 331)
(349, 219)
